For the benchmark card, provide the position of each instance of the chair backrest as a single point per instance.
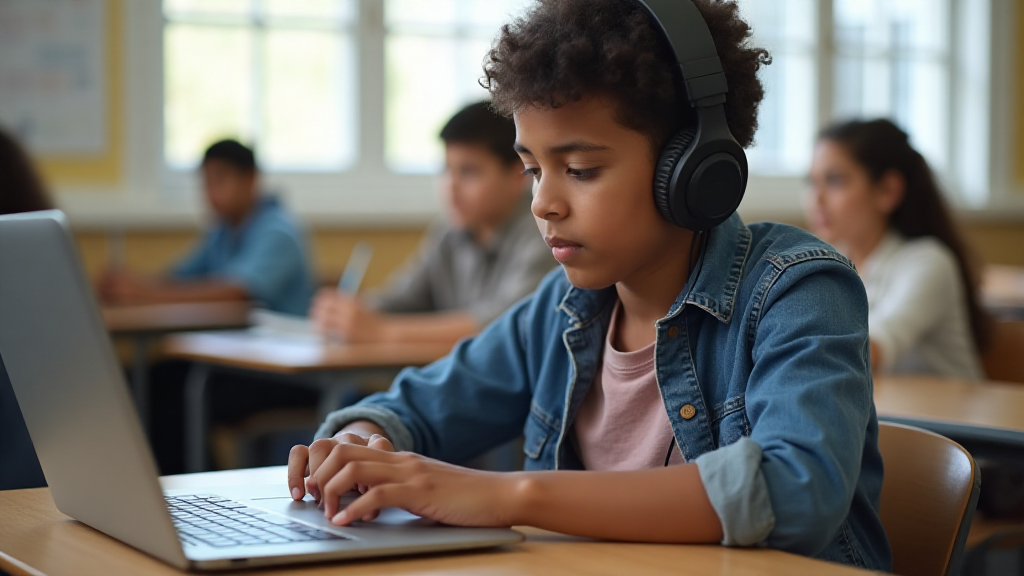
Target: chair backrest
(1004, 360)
(929, 494)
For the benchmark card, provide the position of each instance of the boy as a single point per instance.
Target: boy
(256, 251)
(470, 269)
(666, 394)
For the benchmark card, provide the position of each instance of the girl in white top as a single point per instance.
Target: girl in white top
(875, 199)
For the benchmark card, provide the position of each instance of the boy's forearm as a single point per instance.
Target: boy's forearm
(659, 505)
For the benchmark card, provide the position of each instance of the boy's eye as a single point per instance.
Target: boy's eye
(582, 174)
(535, 172)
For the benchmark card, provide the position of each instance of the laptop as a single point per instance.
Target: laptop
(97, 462)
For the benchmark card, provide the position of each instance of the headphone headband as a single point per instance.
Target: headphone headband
(687, 33)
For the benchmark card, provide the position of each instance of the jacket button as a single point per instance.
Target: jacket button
(687, 411)
(673, 331)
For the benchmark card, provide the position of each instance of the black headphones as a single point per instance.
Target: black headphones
(702, 173)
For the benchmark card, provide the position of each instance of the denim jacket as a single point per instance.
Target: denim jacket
(762, 362)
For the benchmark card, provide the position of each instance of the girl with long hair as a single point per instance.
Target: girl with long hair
(874, 197)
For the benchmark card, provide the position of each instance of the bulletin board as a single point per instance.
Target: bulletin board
(61, 86)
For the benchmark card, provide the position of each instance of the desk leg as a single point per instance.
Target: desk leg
(196, 417)
(140, 379)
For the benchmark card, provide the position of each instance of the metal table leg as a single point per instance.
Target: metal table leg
(196, 417)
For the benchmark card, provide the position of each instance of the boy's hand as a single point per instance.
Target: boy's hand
(343, 315)
(304, 462)
(425, 487)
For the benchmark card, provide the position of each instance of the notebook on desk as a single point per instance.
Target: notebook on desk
(96, 459)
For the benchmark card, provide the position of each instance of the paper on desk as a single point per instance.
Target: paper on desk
(266, 322)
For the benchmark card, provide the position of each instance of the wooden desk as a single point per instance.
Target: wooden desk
(35, 539)
(142, 323)
(1002, 290)
(986, 417)
(332, 368)
(164, 318)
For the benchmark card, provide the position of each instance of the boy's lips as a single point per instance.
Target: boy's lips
(562, 249)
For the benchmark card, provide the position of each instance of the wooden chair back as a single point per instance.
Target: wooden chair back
(929, 494)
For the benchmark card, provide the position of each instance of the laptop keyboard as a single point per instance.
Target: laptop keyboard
(221, 522)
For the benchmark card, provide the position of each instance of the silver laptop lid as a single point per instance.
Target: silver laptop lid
(71, 389)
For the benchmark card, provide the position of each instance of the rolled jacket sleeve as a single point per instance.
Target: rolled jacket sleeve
(738, 492)
(396, 431)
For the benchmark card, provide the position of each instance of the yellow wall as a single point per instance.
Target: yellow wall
(153, 252)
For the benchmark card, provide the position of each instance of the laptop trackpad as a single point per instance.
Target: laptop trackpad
(307, 511)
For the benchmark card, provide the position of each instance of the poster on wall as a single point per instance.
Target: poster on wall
(53, 75)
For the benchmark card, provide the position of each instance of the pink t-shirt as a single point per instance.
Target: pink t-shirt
(622, 423)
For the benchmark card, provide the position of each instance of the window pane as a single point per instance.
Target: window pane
(426, 83)
(892, 61)
(332, 10)
(215, 7)
(482, 16)
(786, 119)
(286, 83)
(309, 118)
(206, 96)
(434, 55)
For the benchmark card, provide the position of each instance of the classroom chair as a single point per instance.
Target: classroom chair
(929, 493)
(1004, 360)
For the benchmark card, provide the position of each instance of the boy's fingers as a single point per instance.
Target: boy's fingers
(379, 442)
(354, 473)
(342, 454)
(298, 462)
(351, 438)
(370, 504)
(319, 450)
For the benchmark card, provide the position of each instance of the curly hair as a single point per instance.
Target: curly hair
(561, 51)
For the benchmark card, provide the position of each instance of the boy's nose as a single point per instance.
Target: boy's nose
(546, 204)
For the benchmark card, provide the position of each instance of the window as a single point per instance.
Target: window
(788, 30)
(277, 73)
(892, 58)
(434, 51)
(887, 58)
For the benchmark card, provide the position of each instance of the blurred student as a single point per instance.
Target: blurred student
(873, 196)
(255, 251)
(22, 191)
(471, 268)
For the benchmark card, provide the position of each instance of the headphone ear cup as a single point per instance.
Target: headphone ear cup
(674, 151)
